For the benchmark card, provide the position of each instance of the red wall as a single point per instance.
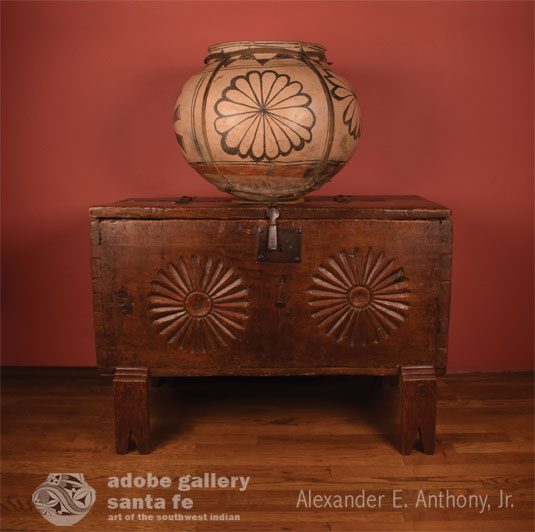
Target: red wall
(88, 88)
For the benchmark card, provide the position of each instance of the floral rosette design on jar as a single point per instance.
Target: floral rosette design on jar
(264, 116)
(343, 92)
(64, 499)
(267, 120)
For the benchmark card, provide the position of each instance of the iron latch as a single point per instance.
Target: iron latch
(278, 244)
(272, 214)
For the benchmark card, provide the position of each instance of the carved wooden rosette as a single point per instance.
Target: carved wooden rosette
(359, 296)
(199, 304)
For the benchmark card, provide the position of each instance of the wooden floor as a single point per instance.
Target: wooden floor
(331, 435)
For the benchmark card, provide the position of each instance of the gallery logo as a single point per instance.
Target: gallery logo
(64, 499)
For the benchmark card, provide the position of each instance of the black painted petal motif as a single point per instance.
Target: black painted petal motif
(342, 91)
(264, 115)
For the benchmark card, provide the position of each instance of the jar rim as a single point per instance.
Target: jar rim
(292, 45)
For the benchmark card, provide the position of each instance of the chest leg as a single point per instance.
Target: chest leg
(418, 408)
(131, 394)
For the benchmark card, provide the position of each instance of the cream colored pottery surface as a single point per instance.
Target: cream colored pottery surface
(267, 120)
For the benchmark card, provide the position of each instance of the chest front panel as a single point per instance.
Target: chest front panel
(190, 296)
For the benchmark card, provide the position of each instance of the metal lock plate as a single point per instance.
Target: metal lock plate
(276, 244)
(288, 245)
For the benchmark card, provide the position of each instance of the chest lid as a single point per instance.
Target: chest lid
(313, 207)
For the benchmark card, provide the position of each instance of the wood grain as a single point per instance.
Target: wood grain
(418, 408)
(362, 286)
(131, 398)
(140, 267)
(313, 207)
(328, 434)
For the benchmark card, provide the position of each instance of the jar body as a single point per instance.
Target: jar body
(266, 120)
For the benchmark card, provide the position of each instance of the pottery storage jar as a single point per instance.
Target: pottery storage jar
(267, 120)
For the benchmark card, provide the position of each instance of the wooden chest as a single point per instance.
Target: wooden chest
(209, 286)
